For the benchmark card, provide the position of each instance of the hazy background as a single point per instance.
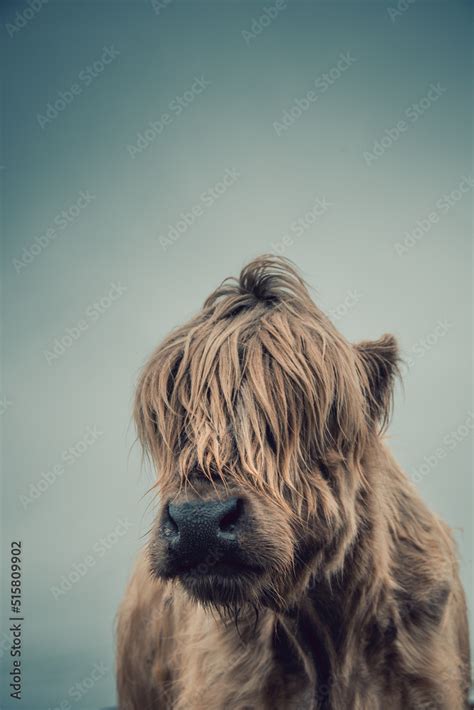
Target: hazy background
(72, 484)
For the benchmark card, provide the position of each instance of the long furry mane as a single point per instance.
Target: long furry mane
(259, 387)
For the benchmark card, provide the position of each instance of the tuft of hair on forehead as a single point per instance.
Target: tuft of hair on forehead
(257, 389)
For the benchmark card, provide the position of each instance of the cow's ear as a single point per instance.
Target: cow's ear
(380, 365)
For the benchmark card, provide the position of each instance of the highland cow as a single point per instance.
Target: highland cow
(292, 564)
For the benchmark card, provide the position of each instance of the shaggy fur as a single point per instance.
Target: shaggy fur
(350, 597)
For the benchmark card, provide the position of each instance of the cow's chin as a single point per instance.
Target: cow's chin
(222, 590)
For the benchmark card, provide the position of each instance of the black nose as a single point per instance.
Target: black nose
(201, 531)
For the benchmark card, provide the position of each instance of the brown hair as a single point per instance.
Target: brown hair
(260, 386)
(358, 599)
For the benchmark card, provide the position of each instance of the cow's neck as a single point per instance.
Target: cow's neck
(337, 620)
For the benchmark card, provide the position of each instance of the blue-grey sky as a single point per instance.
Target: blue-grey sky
(148, 150)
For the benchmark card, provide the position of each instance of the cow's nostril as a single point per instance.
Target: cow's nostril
(169, 526)
(229, 521)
